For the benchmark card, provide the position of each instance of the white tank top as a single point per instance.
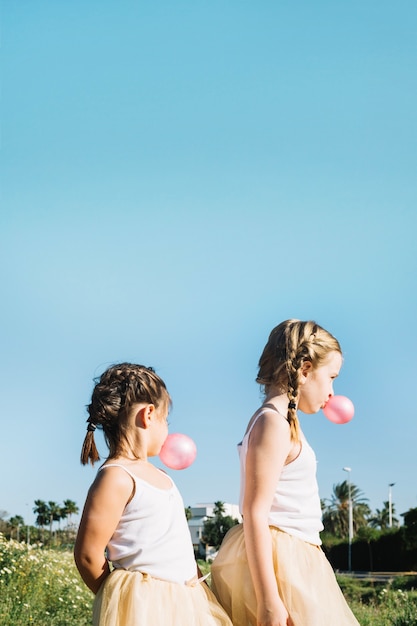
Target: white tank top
(153, 535)
(295, 507)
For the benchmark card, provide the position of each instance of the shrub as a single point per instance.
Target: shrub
(41, 587)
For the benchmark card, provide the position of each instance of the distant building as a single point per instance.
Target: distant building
(200, 513)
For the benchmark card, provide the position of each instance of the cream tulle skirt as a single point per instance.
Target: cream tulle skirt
(135, 599)
(306, 582)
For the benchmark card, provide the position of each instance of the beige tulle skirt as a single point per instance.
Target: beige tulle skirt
(135, 599)
(306, 582)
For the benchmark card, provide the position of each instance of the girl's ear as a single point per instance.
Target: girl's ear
(145, 415)
(306, 369)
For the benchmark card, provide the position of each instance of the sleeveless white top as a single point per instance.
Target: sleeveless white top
(153, 535)
(295, 507)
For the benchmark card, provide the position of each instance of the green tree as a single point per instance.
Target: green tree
(69, 509)
(42, 516)
(218, 508)
(336, 511)
(216, 526)
(410, 527)
(381, 518)
(368, 534)
(188, 513)
(15, 523)
(54, 514)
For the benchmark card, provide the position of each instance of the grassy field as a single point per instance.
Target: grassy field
(382, 604)
(41, 587)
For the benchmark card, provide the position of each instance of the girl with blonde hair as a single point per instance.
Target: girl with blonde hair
(271, 570)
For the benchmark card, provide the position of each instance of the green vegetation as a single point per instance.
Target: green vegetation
(335, 510)
(49, 516)
(216, 527)
(41, 587)
(379, 542)
(392, 603)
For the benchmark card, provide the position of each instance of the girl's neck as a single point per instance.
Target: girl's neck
(278, 400)
(130, 458)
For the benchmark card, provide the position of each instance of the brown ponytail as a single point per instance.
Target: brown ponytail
(89, 452)
(117, 389)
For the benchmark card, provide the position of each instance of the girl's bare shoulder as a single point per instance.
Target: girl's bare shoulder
(143, 470)
(268, 420)
(112, 475)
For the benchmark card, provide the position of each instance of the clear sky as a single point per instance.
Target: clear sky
(177, 177)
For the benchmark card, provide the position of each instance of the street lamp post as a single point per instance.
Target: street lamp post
(348, 470)
(390, 503)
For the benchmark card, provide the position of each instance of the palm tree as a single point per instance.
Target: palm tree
(54, 514)
(69, 509)
(215, 527)
(381, 519)
(336, 512)
(218, 509)
(42, 516)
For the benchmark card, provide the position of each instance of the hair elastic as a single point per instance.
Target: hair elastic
(292, 405)
(91, 427)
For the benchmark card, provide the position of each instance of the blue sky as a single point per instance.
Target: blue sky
(178, 178)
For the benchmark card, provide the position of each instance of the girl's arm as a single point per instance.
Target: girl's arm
(104, 506)
(269, 446)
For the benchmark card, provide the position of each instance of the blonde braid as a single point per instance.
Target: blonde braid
(289, 346)
(298, 348)
(293, 366)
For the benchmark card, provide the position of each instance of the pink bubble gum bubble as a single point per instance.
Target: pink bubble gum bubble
(339, 409)
(178, 452)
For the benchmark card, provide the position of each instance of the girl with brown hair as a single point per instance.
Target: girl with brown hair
(133, 547)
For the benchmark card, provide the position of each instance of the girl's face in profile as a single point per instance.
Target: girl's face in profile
(160, 429)
(316, 384)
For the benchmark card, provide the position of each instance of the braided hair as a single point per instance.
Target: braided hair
(115, 391)
(289, 346)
